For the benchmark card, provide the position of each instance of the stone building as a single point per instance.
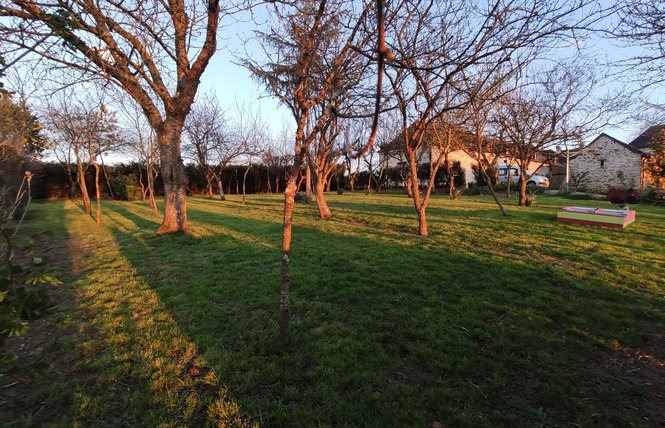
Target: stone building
(607, 162)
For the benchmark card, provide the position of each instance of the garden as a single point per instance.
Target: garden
(489, 321)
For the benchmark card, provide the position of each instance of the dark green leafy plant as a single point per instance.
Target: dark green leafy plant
(125, 188)
(23, 296)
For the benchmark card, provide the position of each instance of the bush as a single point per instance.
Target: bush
(535, 190)
(299, 197)
(566, 192)
(23, 297)
(125, 188)
(582, 196)
(456, 193)
(530, 200)
(481, 190)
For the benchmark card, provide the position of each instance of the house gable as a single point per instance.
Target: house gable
(607, 162)
(644, 140)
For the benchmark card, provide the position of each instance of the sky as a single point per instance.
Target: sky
(231, 82)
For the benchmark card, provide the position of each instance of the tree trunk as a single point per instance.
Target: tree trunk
(209, 177)
(407, 185)
(220, 186)
(268, 180)
(144, 190)
(308, 186)
(420, 208)
(483, 171)
(422, 220)
(150, 173)
(84, 189)
(522, 186)
(289, 199)
(106, 176)
(99, 203)
(72, 184)
(324, 211)
(173, 177)
(299, 186)
(244, 181)
(277, 184)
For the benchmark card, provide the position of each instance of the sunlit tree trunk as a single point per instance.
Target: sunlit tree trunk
(322, 205)
(84, 189)
(289, 201)
(209, 178)
(174, 178)
(308, 186)
(151, 188)
(106, 176)
(420, 208)
(244, 179)
(220, 185)
(99, 204)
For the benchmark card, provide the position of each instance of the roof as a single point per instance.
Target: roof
(628, 147)
(643, 141)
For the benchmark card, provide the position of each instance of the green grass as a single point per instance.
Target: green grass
(490, 321)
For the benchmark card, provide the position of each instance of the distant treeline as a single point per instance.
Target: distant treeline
(51, 180)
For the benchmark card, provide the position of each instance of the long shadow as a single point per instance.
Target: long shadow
(386, 334)
(41, 351)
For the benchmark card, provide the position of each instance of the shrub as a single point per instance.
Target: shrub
(23, 296)
(299, 197)
(125, 188)
(481, 190)
(535, 190)
(582, 196)
(566, 192)
(340, 191)
(456, 193)
(530, 200)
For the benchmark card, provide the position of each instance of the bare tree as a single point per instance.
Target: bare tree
(154, 51)
(640, 24)
(206, 130)
(560, 108)
(352, 162)
(143, 144)
(65, 157)
(89, 129)
(433, 42)
(322, 159)
(250, 132)
(309, 50)
(276, 163)
(483, 103)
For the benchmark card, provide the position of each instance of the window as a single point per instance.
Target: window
(602, 163)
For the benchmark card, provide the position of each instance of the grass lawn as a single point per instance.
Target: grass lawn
(490, 321)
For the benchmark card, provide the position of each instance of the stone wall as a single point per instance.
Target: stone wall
(606, 163)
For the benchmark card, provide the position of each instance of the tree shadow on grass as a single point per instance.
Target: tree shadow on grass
(387, 333)
(49, 392)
